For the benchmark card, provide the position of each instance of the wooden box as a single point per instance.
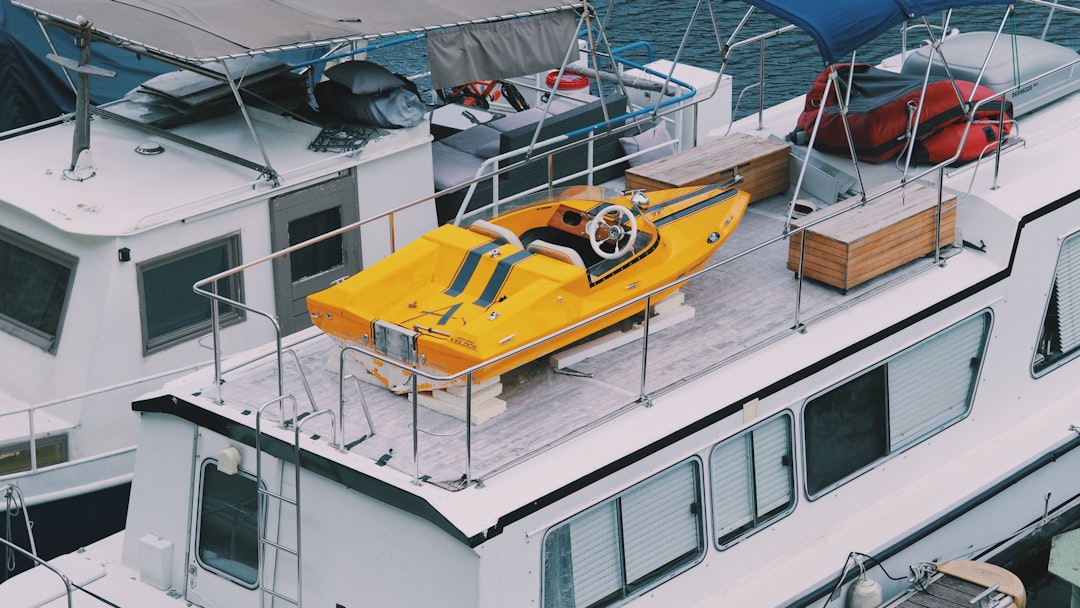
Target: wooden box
(763, 163)
(863, 243)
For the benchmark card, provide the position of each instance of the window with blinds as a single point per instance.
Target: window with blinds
(887, 408)
(628, 543)
(752, 480)
(1059, 339)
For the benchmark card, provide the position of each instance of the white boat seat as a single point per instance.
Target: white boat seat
(559, 252)
(499, 233)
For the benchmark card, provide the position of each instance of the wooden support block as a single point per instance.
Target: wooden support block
(477, 387)
(763, 163)
(669, 304)
(869, 240)
(456, 395)
(482, 411)
(606, 342)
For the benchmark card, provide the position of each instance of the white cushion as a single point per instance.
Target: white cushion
(558, 252)
(495, 231)
(653, 137)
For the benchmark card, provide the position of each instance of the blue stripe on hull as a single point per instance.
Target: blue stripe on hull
(498, 278)
(468, 268)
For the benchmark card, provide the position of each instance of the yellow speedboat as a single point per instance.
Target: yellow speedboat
(458, 297)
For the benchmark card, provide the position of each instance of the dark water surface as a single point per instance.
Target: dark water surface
(792, 60)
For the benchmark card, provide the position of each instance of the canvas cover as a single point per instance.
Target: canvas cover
(33, 89)
(195, 31)
(882, 109)
(500, 50)
(842, 26)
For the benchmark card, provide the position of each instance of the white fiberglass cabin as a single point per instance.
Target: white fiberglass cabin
(881, 383)
(108, 216)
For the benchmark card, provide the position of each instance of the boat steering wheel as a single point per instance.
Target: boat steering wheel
(614, 229)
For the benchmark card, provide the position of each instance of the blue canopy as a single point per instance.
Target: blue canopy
(842, 26)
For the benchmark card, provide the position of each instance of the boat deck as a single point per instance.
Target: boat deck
(745, 300)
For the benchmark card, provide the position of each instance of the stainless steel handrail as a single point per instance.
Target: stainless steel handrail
(644, 395)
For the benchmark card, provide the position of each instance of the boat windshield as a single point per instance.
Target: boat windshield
(598, 194)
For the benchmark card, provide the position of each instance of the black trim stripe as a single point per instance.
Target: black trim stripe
(698, 206)
(498, 278)
(468, 268)
(679, 199)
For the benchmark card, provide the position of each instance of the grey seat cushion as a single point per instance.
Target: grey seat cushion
(481, 140)
(564, 104)
(453, 166)
(517, 119)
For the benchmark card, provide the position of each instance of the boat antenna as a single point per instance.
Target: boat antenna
(81, 164)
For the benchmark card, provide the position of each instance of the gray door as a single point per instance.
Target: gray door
(299, 216)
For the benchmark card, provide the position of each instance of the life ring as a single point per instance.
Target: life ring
(568, 82)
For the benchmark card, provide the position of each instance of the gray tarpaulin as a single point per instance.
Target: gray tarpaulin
(197, 31)
(498, 50)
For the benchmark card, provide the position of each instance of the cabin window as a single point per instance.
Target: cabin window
(36, 282)
(320, 257)
(894, 405)
(628, 543)
(1059, 338)
(227, 540)
(50, 450)
(752, 480)
(171, 311)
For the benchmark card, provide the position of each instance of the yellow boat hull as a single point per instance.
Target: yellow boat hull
(457, 298)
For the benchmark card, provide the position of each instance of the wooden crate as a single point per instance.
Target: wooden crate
(763, 163)
(863, 243)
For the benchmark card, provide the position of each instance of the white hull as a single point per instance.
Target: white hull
(787, 428)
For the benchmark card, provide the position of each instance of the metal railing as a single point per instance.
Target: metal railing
(643, 395)
(69, 587)
(32, 410)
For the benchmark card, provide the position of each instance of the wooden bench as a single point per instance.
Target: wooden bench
(763, 163)
(863, 243)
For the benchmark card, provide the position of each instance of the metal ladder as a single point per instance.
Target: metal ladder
(265, 496)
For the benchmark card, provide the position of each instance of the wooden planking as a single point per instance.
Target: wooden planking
(865, 242)
(763, 163)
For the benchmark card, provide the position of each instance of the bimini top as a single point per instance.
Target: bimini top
(842, 26)
(193, 31)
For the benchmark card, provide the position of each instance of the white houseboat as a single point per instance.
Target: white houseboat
(873, 374)
(109, 215)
